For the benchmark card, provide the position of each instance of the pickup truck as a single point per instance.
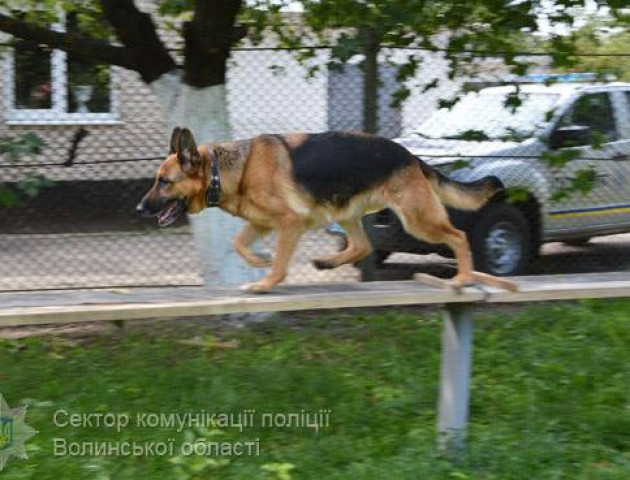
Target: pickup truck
(484, 134)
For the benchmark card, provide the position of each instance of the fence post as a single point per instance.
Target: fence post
(368, 264)
(371, 48)
(457, 339)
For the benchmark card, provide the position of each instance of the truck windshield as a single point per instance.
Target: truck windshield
(484, 115)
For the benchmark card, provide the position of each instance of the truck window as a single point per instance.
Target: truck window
(594, 111)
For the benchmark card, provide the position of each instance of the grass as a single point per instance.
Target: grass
(550, 396)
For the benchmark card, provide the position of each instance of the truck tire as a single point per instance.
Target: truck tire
(501, 240)
(380, 256)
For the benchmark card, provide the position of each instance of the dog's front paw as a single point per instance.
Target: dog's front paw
(256, 287)
(460, 281)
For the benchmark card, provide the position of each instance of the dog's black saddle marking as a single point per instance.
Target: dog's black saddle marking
(333, 167)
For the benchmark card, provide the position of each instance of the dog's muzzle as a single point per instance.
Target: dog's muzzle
(166, 212)
(140, 209)
(145, 210)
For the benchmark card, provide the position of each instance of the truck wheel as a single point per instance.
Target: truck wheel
(380, 256)
(501, 240)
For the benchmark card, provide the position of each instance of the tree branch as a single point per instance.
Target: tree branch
(84, 47)
(142, 52)
(209, 38)
(137, 32)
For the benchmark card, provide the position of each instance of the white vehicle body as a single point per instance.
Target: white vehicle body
(519, 140)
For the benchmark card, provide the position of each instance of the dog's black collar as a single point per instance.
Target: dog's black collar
(213, 194)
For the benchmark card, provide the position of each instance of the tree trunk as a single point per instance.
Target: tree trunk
(370, 122)
(197, 99)
(370, 80)
(204, 111)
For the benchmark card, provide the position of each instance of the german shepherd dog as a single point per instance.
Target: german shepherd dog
(295, 182)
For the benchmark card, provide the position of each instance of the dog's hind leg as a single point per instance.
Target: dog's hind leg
(443, 232)
(358, 247)
(424, 217)
(243, 241)
(289, 234)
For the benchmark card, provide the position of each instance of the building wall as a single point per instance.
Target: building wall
(268, 91)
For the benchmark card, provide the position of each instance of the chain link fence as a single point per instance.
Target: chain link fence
(67, 215)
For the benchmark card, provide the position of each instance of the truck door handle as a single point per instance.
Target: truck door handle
(620, 158)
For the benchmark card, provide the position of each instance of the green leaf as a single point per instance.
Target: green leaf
(431, 85)
(513, 101)
(399, 96)
(584, 180)
(472, 136)
(597, 139)
(459, 164)
(448, 103)
(581, 183)
(518, 194)
(560, 159)
(513, 135)
(549, 115)
(8, 198)
(408, 69)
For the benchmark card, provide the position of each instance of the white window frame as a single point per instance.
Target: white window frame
(58, 113)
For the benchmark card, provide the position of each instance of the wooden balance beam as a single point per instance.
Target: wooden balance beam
(59, 307)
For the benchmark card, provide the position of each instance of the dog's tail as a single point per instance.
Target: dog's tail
(462, 195)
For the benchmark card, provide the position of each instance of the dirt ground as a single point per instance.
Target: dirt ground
(75, 260)
(86, 234)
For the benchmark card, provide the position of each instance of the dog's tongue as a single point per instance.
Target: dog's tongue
(168, 214)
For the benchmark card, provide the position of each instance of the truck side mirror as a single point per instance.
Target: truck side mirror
(573, 136)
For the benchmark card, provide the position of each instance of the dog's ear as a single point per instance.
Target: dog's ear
(187, 152)
(177, 131)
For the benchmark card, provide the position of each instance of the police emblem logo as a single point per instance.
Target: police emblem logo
(14, 432)
(6, 432)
